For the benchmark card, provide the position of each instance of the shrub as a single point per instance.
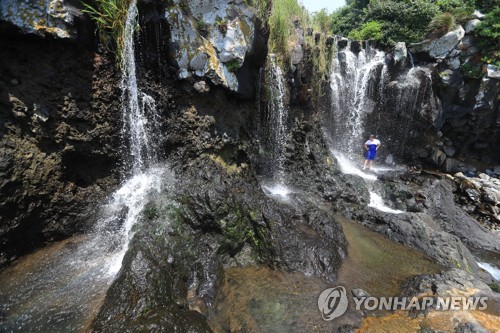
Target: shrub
(110, 17)
(441, 24)
(321, 20)
(488, 34)
(369, 31)
(472, 71)
(283, 14)
(403, 20)
(451, 5)
(232, 65)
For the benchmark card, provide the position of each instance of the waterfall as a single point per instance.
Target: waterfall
(140, 119)
(277, 119)
(352, 84)
(60, 289)
(368, 96)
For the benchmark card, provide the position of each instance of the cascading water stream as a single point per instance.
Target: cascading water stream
(278, 117)
(358, 84)
(60, 288)
(352, 84)
(276, 126)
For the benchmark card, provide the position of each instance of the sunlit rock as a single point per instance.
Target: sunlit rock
(53, 18)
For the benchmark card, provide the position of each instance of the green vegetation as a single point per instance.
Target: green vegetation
(320, 50)
(201, 26)
(281, 26)
(262, 9)
(110, 17)
(151, 212)
(488, 33)
(369, 31)
(472, 71)
(441, 24)
(221, 24)
(232, 65)
(403, 20)
(495, 287)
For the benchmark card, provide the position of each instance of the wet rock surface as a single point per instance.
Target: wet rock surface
(59, 134)
(59, 155)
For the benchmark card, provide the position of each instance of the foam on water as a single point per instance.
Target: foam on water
(494, 271)
(59, 291)
(133, 195)
(347, 167)
(377, 202)
(277, 190)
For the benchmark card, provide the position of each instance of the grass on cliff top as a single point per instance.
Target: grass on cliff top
(110, 17)
(281, 25)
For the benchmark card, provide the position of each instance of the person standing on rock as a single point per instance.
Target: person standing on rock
(372, 145)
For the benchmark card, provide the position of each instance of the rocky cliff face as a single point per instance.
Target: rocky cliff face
(468, 91)
(59, 134)
(214, 39)
(59, 142)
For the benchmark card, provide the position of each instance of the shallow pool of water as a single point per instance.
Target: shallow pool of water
(377, 264)
(50, 291)
(259, 299)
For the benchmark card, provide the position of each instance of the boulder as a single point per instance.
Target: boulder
(437, 157)
(218, 48)
(297, 54)
(442, 46)
(493, 71)
(450, 165)
(201, 86)
(471, 25)
(477, 15)
(449, 150)
(400, 52)
(54, 18)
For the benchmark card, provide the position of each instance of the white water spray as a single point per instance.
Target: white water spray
(278, 118)
(60, 291)
(351, 83)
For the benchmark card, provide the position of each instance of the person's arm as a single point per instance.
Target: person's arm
(378, 146)
(366, 146)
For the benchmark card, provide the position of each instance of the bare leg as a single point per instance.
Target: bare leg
(365, 165)
(370, 163)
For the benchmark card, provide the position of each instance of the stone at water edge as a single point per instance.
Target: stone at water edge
(449, 150)
(201, 86)
(471, 25)
(400, 52)
(450, 165)
(493, 71)
(437, 157)
(477, 14)
(360, 293)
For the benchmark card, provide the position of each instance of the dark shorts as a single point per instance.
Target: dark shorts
(370, 155)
